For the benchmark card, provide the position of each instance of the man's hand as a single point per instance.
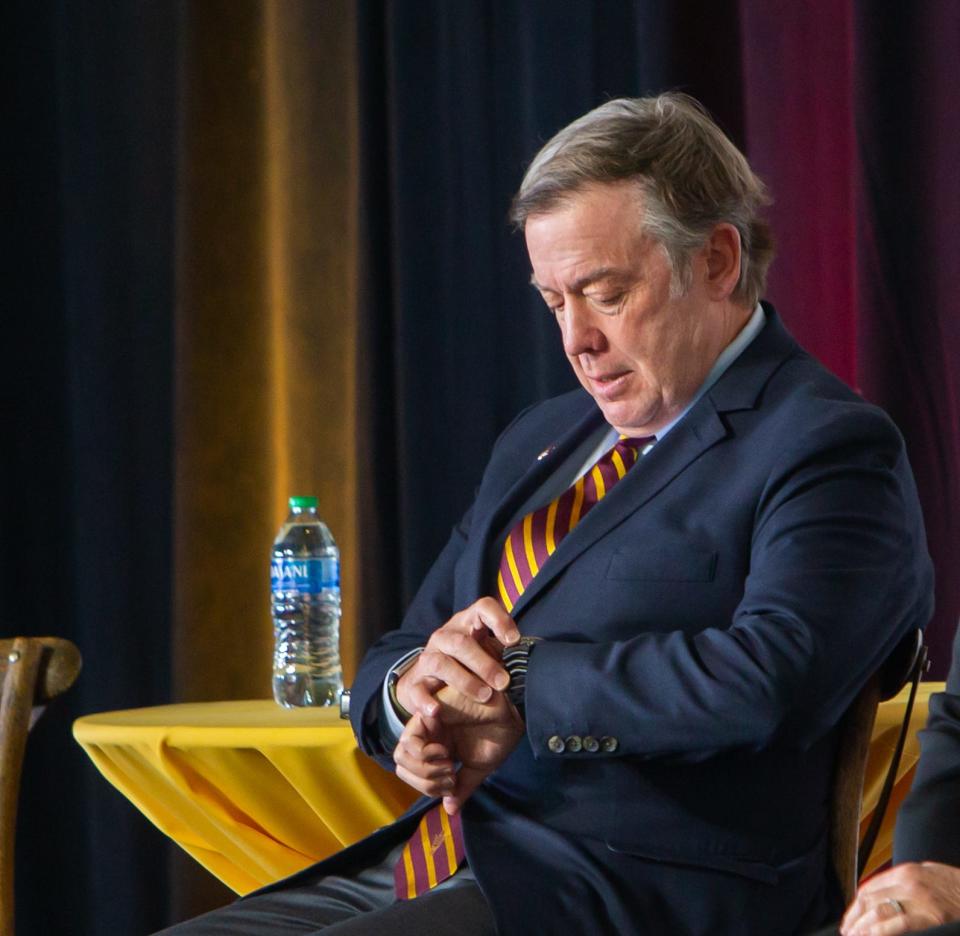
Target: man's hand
(477, 735)
(927, 893)
(463, 654)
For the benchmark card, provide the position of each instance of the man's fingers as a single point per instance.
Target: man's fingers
(870, 921)
(874, 925)
(468, 779)
(422, 739)
(427, 786)
(490, 613)
(433, 756)
(928, 894)
(463, 654)
(452, 805)
(422, 761)
(855, 912)
(418, 697)
(883, 914)
(459, 661)
(891, 927)
(441, 769)
(869, 895)
(884, 880)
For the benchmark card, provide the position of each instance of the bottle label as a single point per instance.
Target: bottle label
(304, 575)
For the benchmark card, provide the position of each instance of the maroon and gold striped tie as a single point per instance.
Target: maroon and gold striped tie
(535, 538)
(432, 855)
(435, 850)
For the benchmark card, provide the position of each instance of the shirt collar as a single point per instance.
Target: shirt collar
(720, 366)
(727, 356)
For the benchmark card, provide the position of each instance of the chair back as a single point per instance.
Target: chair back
(33, 672)
(846, 801)
(848, 855)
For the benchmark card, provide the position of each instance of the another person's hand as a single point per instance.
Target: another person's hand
(477, 736)
(905, 899)
(464, 654)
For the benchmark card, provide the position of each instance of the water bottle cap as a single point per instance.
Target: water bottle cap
(302, 503)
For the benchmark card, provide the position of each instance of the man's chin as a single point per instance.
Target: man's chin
(628, 422)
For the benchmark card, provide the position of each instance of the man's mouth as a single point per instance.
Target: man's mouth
(608, 385)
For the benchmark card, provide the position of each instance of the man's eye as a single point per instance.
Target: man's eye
(608, 301)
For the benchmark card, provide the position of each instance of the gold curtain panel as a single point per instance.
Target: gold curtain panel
(265, 323)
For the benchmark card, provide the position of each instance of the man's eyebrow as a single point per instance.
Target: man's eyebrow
(584, 281)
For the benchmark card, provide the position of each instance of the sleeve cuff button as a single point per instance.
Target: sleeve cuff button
(556, 744)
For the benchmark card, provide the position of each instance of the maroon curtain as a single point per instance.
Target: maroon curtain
(851, 118)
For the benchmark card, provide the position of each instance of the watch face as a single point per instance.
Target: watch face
(405, 663)
(398, 708)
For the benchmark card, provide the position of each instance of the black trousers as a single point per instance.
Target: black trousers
(361, 904)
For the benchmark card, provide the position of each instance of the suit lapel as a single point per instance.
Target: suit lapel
(586, 420)
(701, 429)
(739, 388)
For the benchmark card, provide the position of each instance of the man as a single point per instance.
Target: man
(707, 550)
(924, 890)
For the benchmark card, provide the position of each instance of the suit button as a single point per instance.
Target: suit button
(590, 744)
(574, 744)
(556, 745)
(608, 744)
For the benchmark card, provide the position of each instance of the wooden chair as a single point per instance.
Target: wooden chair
(33, 671)
(849, 854)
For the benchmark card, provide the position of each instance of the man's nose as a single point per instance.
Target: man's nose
(580, 331)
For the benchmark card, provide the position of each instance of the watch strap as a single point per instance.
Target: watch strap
(516, 659)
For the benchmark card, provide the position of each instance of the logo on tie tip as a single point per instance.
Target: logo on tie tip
(436, 842)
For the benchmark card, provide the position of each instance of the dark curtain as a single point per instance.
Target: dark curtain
(87, 336)
(454, 100)
(177, 360)
(840, 107)
(908, 275)
(142, 154)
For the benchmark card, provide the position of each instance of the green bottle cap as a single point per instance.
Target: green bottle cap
(302, 503)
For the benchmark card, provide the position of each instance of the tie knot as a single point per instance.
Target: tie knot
(633, 443)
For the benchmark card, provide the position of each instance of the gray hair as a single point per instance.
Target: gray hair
(691, 178)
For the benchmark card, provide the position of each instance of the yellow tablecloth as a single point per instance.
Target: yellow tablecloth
(255, 792)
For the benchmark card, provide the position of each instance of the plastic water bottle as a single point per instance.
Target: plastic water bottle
(305, 582)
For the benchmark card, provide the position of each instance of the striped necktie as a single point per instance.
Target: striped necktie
(535, 538)
(433, 854)
(435, 850)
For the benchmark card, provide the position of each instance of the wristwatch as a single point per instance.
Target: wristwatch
(394, 677)
(515, 660)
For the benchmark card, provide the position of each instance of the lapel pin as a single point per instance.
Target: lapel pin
(546, 452)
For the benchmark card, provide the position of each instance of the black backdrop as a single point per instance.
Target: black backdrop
(454, 100)
(454, 97)
(87, 369)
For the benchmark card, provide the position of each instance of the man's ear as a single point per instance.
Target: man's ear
(722, 261)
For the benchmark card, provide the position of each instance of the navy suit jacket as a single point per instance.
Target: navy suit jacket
(711, 618)
(928, 824)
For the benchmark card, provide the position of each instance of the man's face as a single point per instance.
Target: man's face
(638, 351)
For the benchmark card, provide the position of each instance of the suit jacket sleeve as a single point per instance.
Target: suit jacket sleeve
(928, 824)
(433, 605)
(838, 573)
